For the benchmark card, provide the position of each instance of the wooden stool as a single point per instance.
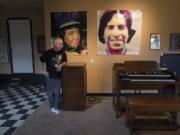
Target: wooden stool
(153, 113)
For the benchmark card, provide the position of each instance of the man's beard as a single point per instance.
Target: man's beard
(58, 49)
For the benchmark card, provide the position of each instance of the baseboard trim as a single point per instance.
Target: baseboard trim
(5, 79)
(100, 94)
(26, 78)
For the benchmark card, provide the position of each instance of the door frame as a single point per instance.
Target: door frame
(10, 46)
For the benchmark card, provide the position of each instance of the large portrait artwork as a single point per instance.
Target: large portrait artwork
(119, 32)
(72, 28)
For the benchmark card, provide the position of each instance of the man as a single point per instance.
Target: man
(54, 59)
(70, 32)
(115, 31)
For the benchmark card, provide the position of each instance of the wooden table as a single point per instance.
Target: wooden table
(153, 113)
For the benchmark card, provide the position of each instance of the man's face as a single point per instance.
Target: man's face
(58, 44)
(116, 33)
(72, 37)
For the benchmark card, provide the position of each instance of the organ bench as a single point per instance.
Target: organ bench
(153, 113)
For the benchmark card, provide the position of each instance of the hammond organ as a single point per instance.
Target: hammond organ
(134, 77)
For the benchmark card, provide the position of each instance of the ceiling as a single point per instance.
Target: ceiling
(21, 3)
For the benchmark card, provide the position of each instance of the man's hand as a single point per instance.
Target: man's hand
(59, 67)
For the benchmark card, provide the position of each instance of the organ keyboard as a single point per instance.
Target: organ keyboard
(137, 76)
(146, 77)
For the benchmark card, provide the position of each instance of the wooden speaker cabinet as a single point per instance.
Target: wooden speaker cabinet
(74, 86)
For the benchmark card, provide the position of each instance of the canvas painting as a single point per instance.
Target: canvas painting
(174, 42)
(72, 28)
(119, 32)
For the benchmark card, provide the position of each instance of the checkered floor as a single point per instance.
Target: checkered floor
(16, 104)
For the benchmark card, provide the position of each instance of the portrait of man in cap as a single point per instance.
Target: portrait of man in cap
(71, 27)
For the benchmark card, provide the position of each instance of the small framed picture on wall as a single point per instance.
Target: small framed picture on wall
(154, 41)
(174, 42)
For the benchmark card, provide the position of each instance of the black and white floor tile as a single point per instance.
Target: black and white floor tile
(16, 104)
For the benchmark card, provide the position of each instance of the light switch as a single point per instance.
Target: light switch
(91, 60)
